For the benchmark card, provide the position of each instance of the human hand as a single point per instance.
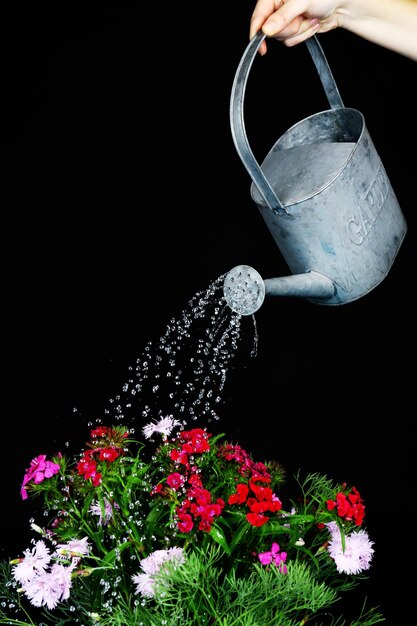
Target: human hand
(293, 21)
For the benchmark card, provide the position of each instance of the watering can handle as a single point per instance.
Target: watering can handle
(236, 111)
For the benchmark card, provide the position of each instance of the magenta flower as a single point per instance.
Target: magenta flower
(274, 556)
(39, 469)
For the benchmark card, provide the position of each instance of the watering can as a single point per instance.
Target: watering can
(323, 192)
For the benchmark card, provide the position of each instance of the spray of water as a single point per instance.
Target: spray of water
(184, 373)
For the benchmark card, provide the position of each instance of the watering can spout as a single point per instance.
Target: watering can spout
(309, 285)
(245, 290)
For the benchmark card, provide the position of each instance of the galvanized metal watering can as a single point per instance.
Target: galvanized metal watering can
(325, 197)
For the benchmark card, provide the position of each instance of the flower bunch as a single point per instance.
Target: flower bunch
(193, 532)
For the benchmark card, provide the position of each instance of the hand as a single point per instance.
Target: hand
(293, 21)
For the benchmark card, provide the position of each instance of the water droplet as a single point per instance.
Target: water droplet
(190, 362)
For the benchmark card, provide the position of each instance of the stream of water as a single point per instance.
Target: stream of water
(184, 373)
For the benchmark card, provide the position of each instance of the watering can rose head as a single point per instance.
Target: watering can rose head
(196, 511)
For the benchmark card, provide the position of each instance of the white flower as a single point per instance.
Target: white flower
(358, 552)
(164, 427)
(49, 588)
(144, 585)
(75, 548)
(34, 561)
(151, 565)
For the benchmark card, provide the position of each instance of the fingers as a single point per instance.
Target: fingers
(295, 28)
(283, 20)
(307, 29)
(262, 11)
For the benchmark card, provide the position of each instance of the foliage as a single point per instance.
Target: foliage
(190, 533)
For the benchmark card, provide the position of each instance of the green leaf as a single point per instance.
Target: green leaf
(217, 534)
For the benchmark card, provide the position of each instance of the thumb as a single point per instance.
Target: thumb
(287, 13)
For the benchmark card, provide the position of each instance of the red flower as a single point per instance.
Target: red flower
(240, 496)
(257, 520)
(195, 481)
(97, 479)
(196, 441)
(159, 489)
(185, 522)
(100, 431)
(86, 467)
(108, 454)
(349, 507)
(175, 480)
(178, 456)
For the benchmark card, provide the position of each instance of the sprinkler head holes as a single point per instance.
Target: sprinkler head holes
(244, 290)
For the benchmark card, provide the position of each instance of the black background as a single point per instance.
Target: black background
(123, 196)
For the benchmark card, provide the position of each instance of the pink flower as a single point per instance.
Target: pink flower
(104, 511)
(274, 556)
(39, 469)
